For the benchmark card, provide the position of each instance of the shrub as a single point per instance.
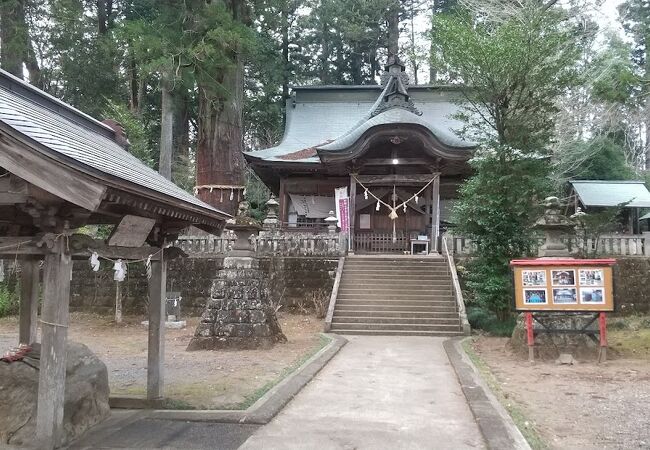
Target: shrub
(483, 319)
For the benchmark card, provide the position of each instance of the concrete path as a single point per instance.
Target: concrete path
(379, 392)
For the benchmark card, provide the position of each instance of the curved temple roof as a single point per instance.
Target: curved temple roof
(330, 119)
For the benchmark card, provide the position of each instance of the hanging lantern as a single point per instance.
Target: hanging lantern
(377, 207)
(365, 194)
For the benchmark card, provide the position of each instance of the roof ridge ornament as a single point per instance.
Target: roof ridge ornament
(395, 94)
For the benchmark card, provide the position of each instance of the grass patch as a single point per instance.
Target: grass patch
(525, 426)
(261, 391)
(487, 321)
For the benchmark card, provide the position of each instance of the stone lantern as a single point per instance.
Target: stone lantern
(271, 221)
(555, 226)
(331, 222)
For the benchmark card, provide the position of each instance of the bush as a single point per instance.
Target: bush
(9, 300)
(482, 319)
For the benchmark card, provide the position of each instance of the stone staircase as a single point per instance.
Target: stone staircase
(396, 295)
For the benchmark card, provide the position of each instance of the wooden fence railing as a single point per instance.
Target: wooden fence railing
(608, 245)
(381, 243)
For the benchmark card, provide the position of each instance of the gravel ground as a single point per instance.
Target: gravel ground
(581, 406)
(202, 379)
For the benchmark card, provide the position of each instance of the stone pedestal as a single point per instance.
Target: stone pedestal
(238, 315)
(550, 346)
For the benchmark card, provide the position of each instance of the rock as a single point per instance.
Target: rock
(565, 358)
(549, 346)
(86, 396)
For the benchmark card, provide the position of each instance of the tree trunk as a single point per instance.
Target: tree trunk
(393, 28)
(181, 162)
(166, 128)
(13, 35)
(102, 25)
(219, 159)
(286, 70)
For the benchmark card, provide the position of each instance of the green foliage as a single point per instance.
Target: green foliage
(600, 158)
(496, 209)
(482, 319)
(617, 81)
(9, 294)
(134, 129)
(514, 70)
(592, 225)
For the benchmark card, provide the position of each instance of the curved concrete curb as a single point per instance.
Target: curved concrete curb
(264, 409)
(496, 425)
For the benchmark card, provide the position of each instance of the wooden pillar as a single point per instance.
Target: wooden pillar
(54, 324)
(284, 204)
(29, 284)
(435, 213)
(156, 347)
(353, 212)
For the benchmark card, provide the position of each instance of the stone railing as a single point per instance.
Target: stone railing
(206, 246)
(267, 244)
(607, 245)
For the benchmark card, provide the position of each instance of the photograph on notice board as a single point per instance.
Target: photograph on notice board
(563, 277)
(535, 297)
(591, 277)
(533, 277)
(593, 296)
(565, 296)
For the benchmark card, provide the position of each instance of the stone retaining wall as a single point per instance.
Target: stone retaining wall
(290, 281)
(632, 285)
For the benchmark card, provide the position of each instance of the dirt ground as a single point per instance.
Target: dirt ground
(202, 379)
(582, 406)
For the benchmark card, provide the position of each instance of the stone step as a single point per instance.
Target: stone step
(394, 265)
(421, 301)
(411, 276)
(397, 320)
(395, 292)
(398, 272)
(386, 286)
(448, 298)
(396, 314)
(394, 308)
(396, 326)
(349, 331)
(440, 294)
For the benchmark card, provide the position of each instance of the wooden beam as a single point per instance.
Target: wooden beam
(29, 291)
(395, 179)
(156, 344)
(435, 214)
(54, 319)
(400, 162)
(70, 185)
(353, 211)
(284, 202)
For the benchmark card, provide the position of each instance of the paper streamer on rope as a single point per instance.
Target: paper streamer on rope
(232, 194)
(377, 208)
(94, 261)
(120, 270)
(147, 264)
(365, 194)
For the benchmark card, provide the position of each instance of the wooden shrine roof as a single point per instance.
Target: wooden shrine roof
(68, 137)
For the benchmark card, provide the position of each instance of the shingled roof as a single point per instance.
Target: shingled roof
(332, 118)
(58, 130)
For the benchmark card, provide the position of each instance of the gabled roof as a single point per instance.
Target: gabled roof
(60, 131)
(332, 118)
(612, 193)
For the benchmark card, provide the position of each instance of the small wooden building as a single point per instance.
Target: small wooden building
(391, 145)
(61, 170)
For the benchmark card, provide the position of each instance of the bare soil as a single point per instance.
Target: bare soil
(200, 379)
(582, 406)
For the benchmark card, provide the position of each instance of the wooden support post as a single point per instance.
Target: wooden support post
(602, 326)
(54, 324)
(156, 347)
(353, 212)
(284, 204)
(435, 214)
(530, 336)
(29, 284)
